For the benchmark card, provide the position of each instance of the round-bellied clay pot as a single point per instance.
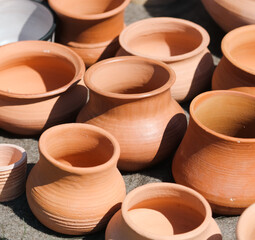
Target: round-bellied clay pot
(76, 187)
(40, 86)
(217, 154)
(27, 20)
(236, 70)
(229, 14)
(90, 28)
(130, 97)
(245, 227)
(180, 44)
(13, 166)
(163, 211)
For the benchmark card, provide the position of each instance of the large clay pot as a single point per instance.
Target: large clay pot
(130, 97)
(76, 187)
(231, 14)
(236, 70)
(163, 211)
(91, 27)
(217, 154)
(39, 86)
(180, 44)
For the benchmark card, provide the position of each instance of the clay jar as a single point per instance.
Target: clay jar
(217, 154)
(180, 44)
(236, 70)
(130, 98)
(163, 211)
(13, 166)
(91, 27)
(231, 14)
(76, 187)
(39, 86)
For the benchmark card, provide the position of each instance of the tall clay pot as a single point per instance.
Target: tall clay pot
(180, 44)
(76, 187)
(130, 97)
(217, 154)
(90, 28)
(236, 70)
(163, 211)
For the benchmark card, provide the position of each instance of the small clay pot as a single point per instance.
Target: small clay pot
(217, 154)
(163, 211)
(40, 86)
(75, 188)
(245, 227)
(236, 70)
(229, 14)
(180, 44)
(130, 97)
(13, 166)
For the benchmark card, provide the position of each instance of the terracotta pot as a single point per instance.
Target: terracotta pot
(231, 14)
(180, 44)
(13, 166)
(163, 211)
(236, 70)
(76, 187)
(245, 227)
(217, 154)
(130, 97)
(40, 86)
(90, 27)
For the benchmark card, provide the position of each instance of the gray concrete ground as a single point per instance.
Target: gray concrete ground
(16, 219)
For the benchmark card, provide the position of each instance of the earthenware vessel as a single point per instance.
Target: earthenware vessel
(217, 154)
(130, 98)
(163, 211)
(245, 227)
(90, 28)
(76, 187)
(27, 20)
(13, 166)
(40, 86)
(180, 44)
(236, 70)
(231, 14)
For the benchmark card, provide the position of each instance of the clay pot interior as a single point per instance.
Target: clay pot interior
(9, 155)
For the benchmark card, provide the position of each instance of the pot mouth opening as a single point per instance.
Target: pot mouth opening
(227, 114)
(164, 39)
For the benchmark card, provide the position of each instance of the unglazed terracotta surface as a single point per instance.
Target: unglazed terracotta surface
(40, 86)
(180, 44)
(130, 98)
(13, 166)
(230, 14)
(236, 70)
(76, 187)
(163, 211)
(216, 156)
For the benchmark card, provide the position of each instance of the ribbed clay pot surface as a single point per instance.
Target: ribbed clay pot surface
(236, 70)
(217, 154)
(76, 187)
(13, 166)
(40, 86)
(180, 44)
(130, 98)
(163, 211)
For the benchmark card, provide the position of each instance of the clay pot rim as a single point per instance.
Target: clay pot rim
(94, 67)
(203, 97)
(153, 187)
(97, 16)
(59, 50)
(80, 170)
(230, 37)
(203, 45)
(22, 160)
